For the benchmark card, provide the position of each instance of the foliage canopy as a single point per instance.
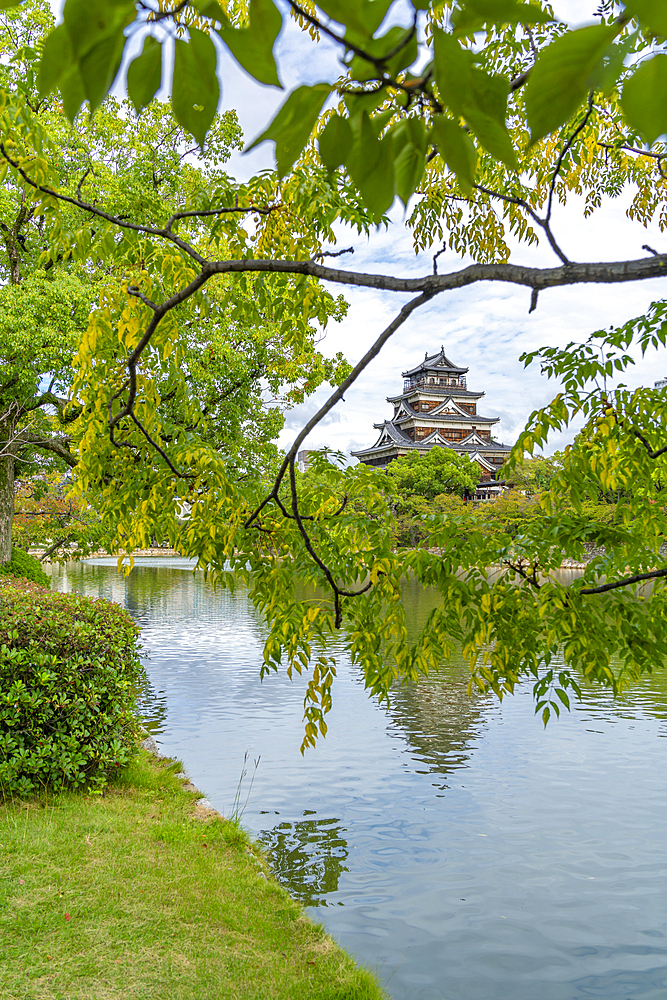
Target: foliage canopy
(235, 370)
(491, 114)
(435, 472)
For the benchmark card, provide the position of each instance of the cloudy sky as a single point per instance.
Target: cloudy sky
(485, 327)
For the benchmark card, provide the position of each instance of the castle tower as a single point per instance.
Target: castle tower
(437, 410)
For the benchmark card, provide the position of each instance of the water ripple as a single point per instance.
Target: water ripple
(451, 843)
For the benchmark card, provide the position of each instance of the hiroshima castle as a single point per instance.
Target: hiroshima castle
(437, 410)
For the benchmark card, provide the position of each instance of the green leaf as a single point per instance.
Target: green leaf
(356, 103)
(144, 74)
(456, 148)
(453, 66)
(644, 98)
(195, 89)
(493, 136)
(651, 14)
(335, 142)
(292, 127)
(401, 41)
(489, 94)
(252, 47)
(371, 167)
(605, 76)
(561, 77)
(96, 32)
(476, 13)
(485, 111)
(362, 69)
(57, 58)
(406, 55)
(380, 122)
(99, 66)
(409, 148)
(409, 170)
(72, 92)
(209, 8)
(89, 20)
(362, 17)
(8, 4)
(563, 697)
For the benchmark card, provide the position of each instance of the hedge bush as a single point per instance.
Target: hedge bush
(25, 566)
(69, 676)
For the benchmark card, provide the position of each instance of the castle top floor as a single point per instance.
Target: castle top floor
(435, 373)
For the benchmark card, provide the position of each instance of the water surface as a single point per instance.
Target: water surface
(451, 844)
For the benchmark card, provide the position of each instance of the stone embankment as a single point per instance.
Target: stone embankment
(203, 808)
(105, 555)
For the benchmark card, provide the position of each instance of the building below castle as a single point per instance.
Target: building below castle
(437, 410)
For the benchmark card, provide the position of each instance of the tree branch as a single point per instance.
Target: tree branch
(537, 278)
(180, 475)
(563, 153)
(542, 223)
(203, 213)
(56, 545)
(530, 578)
(627, 582)
(43, 399)
(644, 441)
(593, 272)
(373, 351)
(59, 448)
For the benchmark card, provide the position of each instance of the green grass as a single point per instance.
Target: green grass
(162, 904)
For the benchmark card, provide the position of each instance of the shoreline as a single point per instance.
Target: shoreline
(167, 553)
(173, 554)
(146, 890)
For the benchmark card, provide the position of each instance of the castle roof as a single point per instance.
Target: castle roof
(435, 390)
(447, 421)
(447, 410)
(392, 437)
(437, 363)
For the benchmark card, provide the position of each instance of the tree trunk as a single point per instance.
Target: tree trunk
(6, 492)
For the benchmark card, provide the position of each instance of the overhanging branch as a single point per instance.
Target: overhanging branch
(539, 278)
(626, 582)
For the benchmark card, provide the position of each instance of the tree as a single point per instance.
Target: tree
(46, 293)
(508, 112)
(56, 266)
(435, 472)
(425, 485)
(536, 473)
(40, 318)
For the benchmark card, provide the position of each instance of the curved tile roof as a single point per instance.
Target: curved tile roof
(439, 361)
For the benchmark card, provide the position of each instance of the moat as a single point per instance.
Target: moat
(451, 844)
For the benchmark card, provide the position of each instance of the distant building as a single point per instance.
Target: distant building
(660, 384)
(304, 459)
(437, 410)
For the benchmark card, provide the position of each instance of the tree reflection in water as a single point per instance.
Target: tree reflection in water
(440, 722)
(307, 857)
(152, 708)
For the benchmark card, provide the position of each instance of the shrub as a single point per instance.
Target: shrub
(69, 674)
(26, 566)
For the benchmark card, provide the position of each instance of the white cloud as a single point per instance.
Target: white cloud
(485, 327)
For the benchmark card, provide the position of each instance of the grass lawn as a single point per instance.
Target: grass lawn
(133, 895)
